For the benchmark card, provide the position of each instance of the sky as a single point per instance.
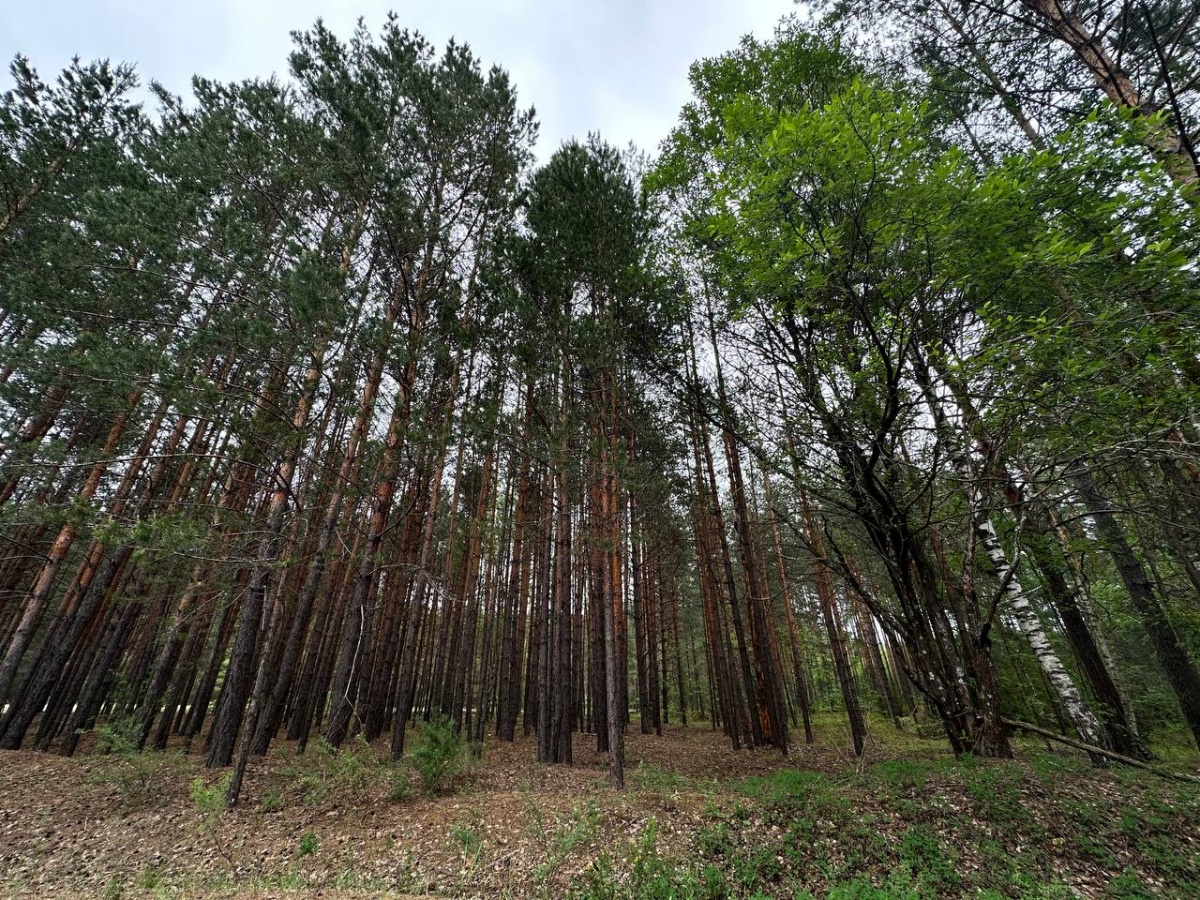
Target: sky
(614, 66)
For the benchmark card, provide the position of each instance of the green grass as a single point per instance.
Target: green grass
(576, 831)
(308, 844)
(921, 829)
(649, 777)
(919, 826)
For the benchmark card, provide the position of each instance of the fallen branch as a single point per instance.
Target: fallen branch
(1100, 751)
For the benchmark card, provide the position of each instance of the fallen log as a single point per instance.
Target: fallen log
(1100, 751)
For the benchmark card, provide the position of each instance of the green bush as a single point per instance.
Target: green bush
(328, 772)
(440, 760)
(118, 737)
(399, 788)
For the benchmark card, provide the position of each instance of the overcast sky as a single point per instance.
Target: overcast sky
(614, 66)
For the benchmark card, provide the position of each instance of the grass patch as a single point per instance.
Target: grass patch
(931, 829)
(649, 777)
(576, 831)
(308, 844)
(141, 779)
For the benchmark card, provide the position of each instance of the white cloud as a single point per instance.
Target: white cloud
(619, 68)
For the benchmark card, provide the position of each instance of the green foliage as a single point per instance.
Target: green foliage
(1129, 886)
(468, 838)
(1048, 766)
(272, 800)
(328, 775)
(140, 778)
(117, 737)
(847, 244)
(901, 831)
(150, 878)
(786, 786)
(399, 787)
(209, 799)
(346, 769)
(308, 844)
(903, 776)
(572, 832)
(995, 787)
(931, 864)
(326, 772)
(650, 777)
(652, 876)
(852, 250)
(440, 759)
(862, 889)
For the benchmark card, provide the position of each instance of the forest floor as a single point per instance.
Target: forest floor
(697, 820)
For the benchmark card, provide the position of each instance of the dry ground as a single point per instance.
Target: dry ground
(908, 818)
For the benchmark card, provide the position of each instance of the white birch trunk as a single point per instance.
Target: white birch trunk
(1086, 724)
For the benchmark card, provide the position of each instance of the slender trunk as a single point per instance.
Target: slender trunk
(833, 627)
(238, 680)
(1181, 672)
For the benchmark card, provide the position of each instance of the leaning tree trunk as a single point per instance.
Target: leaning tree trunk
(1082, 718)
(1084, 721)
(1169, 146)
(1181, 672)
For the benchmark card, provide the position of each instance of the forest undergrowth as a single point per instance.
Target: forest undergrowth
(696, 820)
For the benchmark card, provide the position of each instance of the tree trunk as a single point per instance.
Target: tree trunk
(1172, 656)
